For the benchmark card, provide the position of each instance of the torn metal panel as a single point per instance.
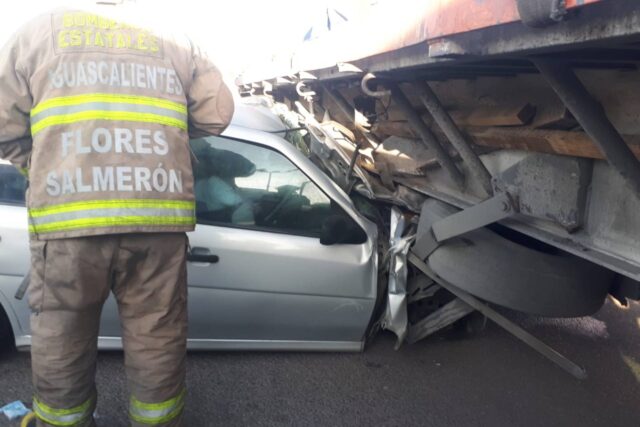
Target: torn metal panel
(333, 148)
(396, 318)
(326, 148)
(326, 143)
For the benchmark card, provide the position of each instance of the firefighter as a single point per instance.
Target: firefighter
(98, 113)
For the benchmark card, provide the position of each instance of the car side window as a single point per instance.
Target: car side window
(12, 185)
(244, 185)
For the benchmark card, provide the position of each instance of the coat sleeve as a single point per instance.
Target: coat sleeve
(15, 106)
(209, 100)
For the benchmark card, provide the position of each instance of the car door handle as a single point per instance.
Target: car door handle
(197, 254)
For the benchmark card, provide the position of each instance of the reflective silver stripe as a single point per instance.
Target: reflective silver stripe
(115, 212)
(62, 417)
(151, 414)
(156, 413)
(107, 106)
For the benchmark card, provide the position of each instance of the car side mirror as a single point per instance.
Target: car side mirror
(339, 229)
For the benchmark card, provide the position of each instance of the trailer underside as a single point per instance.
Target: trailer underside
(547, 111)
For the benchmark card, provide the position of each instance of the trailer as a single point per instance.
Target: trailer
(505, 134)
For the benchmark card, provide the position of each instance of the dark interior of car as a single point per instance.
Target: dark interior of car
(12, 185)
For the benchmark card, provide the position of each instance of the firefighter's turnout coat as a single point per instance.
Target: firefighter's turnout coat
(98, 113)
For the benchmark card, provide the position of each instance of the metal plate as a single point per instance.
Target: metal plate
(515, 276)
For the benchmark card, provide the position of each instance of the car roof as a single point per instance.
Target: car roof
(257, 117)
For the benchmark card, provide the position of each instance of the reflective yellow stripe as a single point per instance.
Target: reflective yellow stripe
(107, 115)
(62, 417)
(117, 221)
(107, 204)
(156, 413)
(65, 101)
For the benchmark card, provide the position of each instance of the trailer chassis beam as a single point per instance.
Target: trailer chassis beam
(446, 123)
(591, 116)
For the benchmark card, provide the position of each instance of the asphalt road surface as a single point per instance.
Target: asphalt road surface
(490, 379)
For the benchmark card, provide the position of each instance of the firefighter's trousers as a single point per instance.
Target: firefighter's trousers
(70, 281)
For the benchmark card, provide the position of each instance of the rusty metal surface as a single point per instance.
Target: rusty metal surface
(419, 21)
(413, 24)
(448, 17)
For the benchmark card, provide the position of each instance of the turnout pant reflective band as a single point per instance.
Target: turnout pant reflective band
(62, 417)
(156, 413)
(101, 106)
(111, 213)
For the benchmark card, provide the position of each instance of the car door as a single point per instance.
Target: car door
(268, 282)
(14, 247)
(15, 261)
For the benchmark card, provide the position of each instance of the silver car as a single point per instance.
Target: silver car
(283, 259)
(280, 259)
